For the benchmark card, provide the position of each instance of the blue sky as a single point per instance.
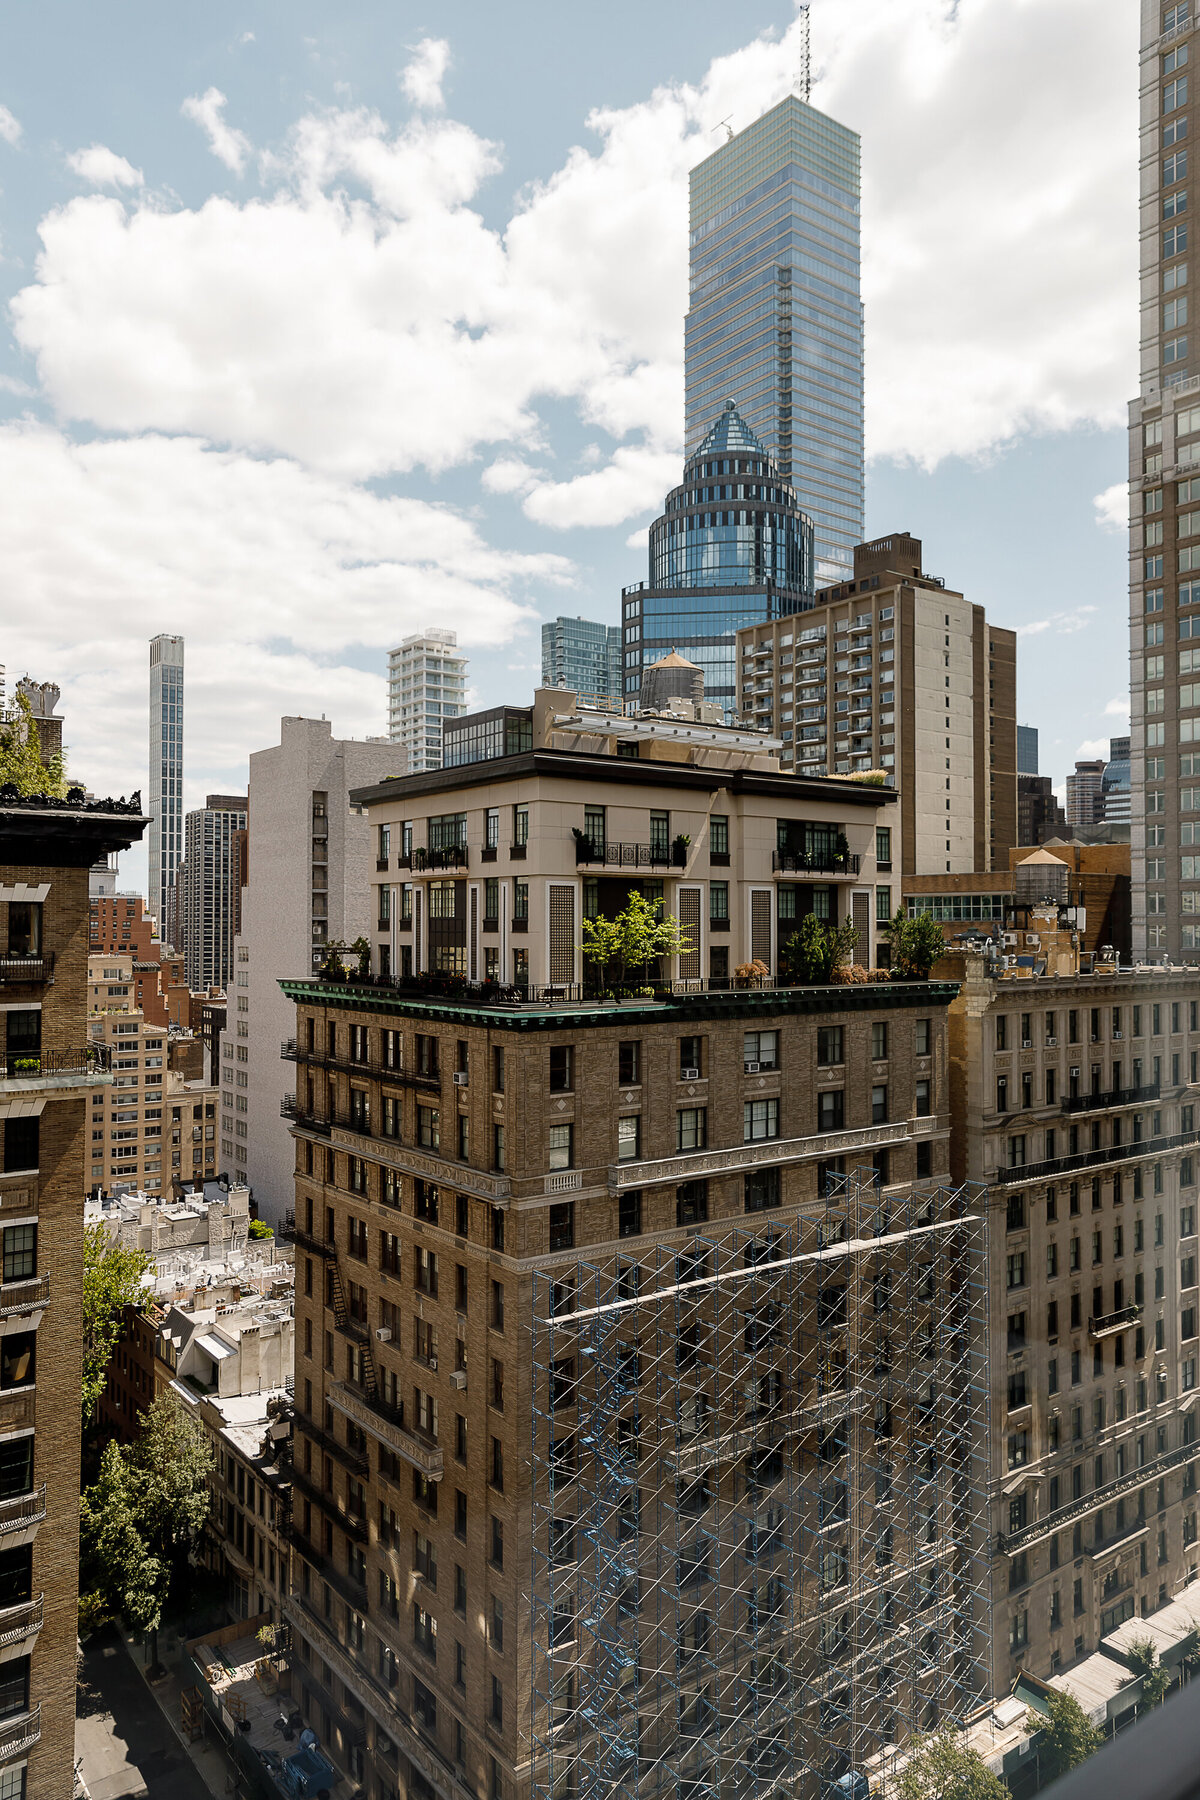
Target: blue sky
(325, 325)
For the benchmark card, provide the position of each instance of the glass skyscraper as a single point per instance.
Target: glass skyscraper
(775, 315)
(166, 780)
(582, 655)
(732, 547)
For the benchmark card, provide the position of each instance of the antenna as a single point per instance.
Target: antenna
(803, 81)
(727, 125)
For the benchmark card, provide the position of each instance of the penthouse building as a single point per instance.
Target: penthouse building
(630, 1417)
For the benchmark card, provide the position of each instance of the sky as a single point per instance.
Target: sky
(324, 325)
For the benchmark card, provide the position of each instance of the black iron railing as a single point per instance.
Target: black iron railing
(630, 856)
(814, 862)
(299, 1115)
(29, 1065)
(17, 969)
(1105, 1324)
(1091, 1159)
(1130, 1096)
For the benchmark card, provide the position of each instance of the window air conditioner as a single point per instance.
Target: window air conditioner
(458, 1379)
(689, 1074)
(460, 1078)
(382, 1335)
(1052, 1043)
(751, 1068)
(1027, 1043)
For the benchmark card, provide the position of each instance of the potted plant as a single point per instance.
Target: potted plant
(679, 848)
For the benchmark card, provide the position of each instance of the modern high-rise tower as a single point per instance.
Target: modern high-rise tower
(427, 682)
(1164, 509)
(775, 317)
(166, 779)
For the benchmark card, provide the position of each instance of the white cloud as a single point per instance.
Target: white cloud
(423, 77)
(1064, 623)
(632, 480)
(227, 144)
(105, 543)
(509, 475)
(1118, 707)
(1112, 507)
(102, 167)
(1092, 750)
(10, 127)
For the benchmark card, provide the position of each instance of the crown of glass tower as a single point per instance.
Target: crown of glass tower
(775, 315)
(733, 519)
(731, 548)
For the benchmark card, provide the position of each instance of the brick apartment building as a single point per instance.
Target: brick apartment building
(1075, 1099)
(47, 1072)
(649, 1537)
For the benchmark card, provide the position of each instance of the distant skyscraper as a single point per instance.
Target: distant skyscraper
(775, 315)
(1027, 750)
(211, 884)
(166, 779)
(582, 655)
(1085, 793)
(1116, 800)
(427, 682)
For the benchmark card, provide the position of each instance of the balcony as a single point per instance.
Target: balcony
(307, 1121)
(611, 855)
(1109, 1324)
(19, 971)
(449, 856)
(22, 1303)
(33, 1071)
(20, 1518)
(1090, 1159)
(291, 1051)
(19, 1735)
(19, 1627)
(387, 1429)
(815, 862)
(1133, 1096)
(822, 1146)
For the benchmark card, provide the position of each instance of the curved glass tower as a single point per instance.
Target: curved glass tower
(732, 547)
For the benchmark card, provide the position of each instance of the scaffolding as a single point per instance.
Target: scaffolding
(759, 1477)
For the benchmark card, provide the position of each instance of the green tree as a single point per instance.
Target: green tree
(915, 944)
(941, 1767)
(1068, 1736)
(636, 937)
(21, 762)
(1142, 1657)
(118, 1576)
(260, 1229)
(816, 950)
(170, 1462)
(112, 1280)
(1189, 1653)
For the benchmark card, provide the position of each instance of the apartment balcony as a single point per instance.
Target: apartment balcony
(19, 1627)
(307, 1121)
(19, 1735)
(1110, 1324)
(820, 1147)
(449, 856)
(495, 1189)
(1092, 1159)
(20, 1518)
(387, 1429)
(22, 1304)
(612, 855)
(22, 971)
(1094, 1502)
(316, 1246)
(38, 1070)
(291, 1051)
(1130, 1096)
(816, 863)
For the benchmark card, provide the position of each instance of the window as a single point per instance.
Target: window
(718, 902)
(629, 1215)
(760, 1119)
(562, 1225)
(561, 1147)
(879, 1105)
(718, 836)
(760, 1050)
(691, 1203)
(762, 1190)
(883, 846)
(562, 1060)
(831, 1107)
(829, 1045)
(879, 1041)
(20, 1252)
(691, 1128)
(922, 1100)
(923, 1036)
(629, 1138)
(520, 826)
(629, 1063)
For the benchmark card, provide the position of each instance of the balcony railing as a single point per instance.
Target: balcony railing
(20, 1622)
(20, 1734)
(1130, 1096)
(1090, 1159)
(449, 856)
(15, 970)
(1108, 1324)
(611, 855)
(47, 1065)
(1096, 1501)
(24, 1296)
(292, 1051)
(387, 1428)
(823, 1146)
(23, 1512)
(309, 1121)
(814, 862)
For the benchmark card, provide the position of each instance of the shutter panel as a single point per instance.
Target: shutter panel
(760, 926)
(562, 935)
(689, 919)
